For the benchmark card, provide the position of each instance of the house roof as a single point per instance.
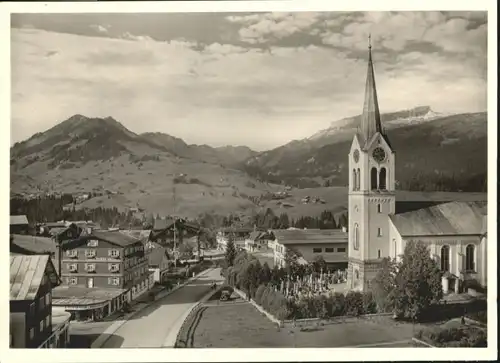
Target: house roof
(254, 235)
(157, 255)
(34, 244)
(18, 220)
(79, 295)
(26, 274)
(309, 236)
(162, 223)
(454, 218)
(115, 237)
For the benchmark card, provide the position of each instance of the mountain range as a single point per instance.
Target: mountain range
(165, 175)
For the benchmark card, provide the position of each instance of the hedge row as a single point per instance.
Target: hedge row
(464, 336)
(274, 302)
(354, 303)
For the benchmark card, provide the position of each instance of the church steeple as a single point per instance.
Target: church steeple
(370, 119)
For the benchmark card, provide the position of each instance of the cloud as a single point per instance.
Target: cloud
(395, 31)
(137, 38)
(100, 28)
(219, 93)
(261, 28)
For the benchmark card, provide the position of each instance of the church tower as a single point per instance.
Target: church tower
(371, 191)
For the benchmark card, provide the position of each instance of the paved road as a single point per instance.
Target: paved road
(150, 327)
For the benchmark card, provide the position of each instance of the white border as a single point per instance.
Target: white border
(237, 355)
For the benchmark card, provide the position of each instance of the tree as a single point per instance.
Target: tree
(319, 264)
(230, 254)
(265, 275)
(185, 251)
(384, 284)
(417, 282)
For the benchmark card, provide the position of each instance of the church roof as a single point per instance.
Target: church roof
(370, 118)
(447, 219)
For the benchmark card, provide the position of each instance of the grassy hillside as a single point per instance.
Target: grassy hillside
(427, 149)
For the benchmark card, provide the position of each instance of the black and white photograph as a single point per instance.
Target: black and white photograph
(250, 179)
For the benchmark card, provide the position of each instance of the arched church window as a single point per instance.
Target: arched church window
(356, 236)
(356, 274)
(374, 177)
(382, 180)
(445, 258)
(395, 247)
(469, 258)
(354, 179)
(359, 179)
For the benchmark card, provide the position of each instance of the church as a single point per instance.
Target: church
(380, 227)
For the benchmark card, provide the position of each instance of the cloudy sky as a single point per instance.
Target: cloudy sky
(256, 79)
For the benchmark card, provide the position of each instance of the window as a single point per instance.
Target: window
(356, 237)
(89, 253)
(72, 281)
(356, 274)
(395, 247)
(92, 243)
(379, 208)
(48, 299)
(41, 303)
(374, 176)
(445, 258)
(32, 333)
(72, 267)
(48, 320)
(32, 309)
(358, 181)
(383, 179)
(113, 267)
(379, 232)
(354, 180)
(378, 253)
(90, 267)
(113, 281)
(114, 253)
(328, 250)
(42, 325)
(341, 249)
(469, 258)
(317, 250)
(71, 253)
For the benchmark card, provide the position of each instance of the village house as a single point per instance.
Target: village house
(101, 271)
(34, 323)
(158, 261)
(309, 244)
(239, 235)
(257, 240)
(19, 225)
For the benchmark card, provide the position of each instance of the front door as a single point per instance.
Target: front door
(90, 282)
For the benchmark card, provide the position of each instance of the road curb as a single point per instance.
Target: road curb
(103, 338)
(171, 339)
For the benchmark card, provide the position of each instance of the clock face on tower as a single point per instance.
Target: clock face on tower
(356, 156)
(378, 154)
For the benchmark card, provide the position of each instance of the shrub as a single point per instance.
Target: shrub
(465, 336)
(259, 293)
(354, 303)
(369, 304)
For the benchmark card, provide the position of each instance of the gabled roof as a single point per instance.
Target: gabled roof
(26, 274)
(160, 223)
(18, 220)
(310, 236)
(454, 218)
(157, 255)
(33, 244)
(113, 237)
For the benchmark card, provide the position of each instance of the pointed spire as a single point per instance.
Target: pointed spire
(370, 119)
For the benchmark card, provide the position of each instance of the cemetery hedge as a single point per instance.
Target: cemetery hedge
(262, 285)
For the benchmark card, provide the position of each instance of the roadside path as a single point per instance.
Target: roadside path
(150, 327)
